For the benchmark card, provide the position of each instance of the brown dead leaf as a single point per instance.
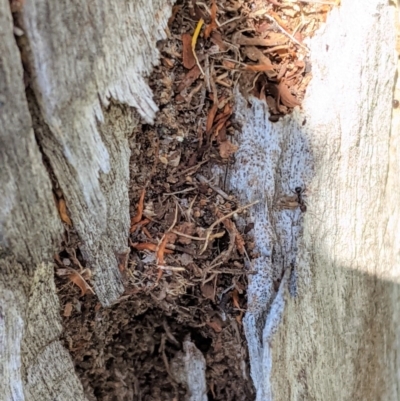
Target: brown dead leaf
(259, 67)
(213, 25)
(235, 298)
(190, 77)
(215, 325)
(187, 53)
(78, 280)
(62, 209)
(227, 149)
(140, 224)
(285, 95)
(239, 241)
(139, 214)
(228, 64)
(147, 246)
(67, 309)
(185, 228)
(275, 39)
(161, 248)
(208, 291)
(211, 117)
(175, 10)
(216, 38)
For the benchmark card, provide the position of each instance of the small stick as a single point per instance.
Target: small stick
(286, 33)
(219, 191)
(209, 229)
(194, 40)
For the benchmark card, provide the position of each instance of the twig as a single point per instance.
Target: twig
(179, 192)
(209, 229)
(204, 180)
(273, 20)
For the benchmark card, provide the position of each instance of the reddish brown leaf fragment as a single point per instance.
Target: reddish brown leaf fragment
(67, 309)
(286, 97)
(235, 298)
(227, 149)
(175, 10)
(140, 224)
(62, 209)
(190, 77)
(215, 325)
(210, 117)
(259, 67)
(139, 214)
(147, 246)
(216, 38)
(78, 280)
(161, 250)
(213, 25)
(187, 53)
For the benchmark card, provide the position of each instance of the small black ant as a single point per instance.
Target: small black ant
(299, 192)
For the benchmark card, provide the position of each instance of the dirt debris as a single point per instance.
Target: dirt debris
(186, 274)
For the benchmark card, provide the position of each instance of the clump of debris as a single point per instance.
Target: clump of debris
(186, 275)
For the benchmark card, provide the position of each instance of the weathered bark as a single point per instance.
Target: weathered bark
(331, 331)
(78, 58)
(33, 363)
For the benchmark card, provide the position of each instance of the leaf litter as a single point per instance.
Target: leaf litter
(186, 273)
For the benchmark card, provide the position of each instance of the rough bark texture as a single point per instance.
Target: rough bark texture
(331, 330)
(80, 55)
(33, 364)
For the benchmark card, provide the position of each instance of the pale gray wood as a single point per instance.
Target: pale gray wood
(80, 55)
(33, 364)
(331, 331)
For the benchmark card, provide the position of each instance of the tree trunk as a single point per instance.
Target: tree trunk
(331, 330)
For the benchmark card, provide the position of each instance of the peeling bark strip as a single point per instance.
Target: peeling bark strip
(81, 55)
(33, 364)
(335, 337)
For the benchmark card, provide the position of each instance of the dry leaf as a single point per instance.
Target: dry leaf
(190, 77)
(276, 39)
(67, 309)
(215, 325)
(147, 246)
(78, 280)
(227, 149)
(140, 224)
(175, 10)
(185, 228)
(213, 25)
(161, 249)
(216, 38)
(259, 67)
(235, 298)
(62, 209)
(208, 291)
(239, 241)
(286, 97)
(228, 64)
(187, 53)
(139, 214)
(211, 116)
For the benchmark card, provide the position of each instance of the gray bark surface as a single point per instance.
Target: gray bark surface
(78, 57)
(331, 331)
(81, 56)
(33, 363)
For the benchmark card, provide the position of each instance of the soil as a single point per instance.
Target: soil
(187, 272)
